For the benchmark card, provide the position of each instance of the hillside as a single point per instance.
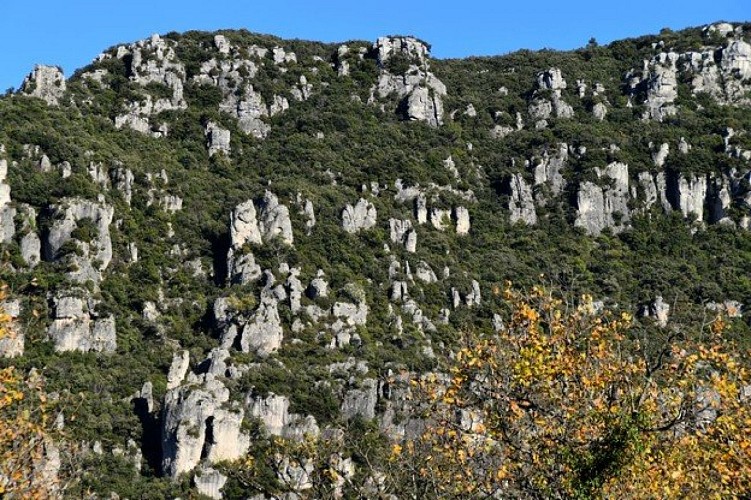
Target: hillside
(213, 238)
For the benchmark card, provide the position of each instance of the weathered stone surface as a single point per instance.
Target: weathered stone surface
(319, 287)
(263, 334)
(96, 254)
(273, 412)
(658, 310)
(600, 111)
(425, 273)
(461, 216)
(421, 91)
(13, 342)
(521, 202)
(661, 81)
(178, 369)
(7, 212)
(209, 481)
(244, 225)
(189, 416)
(74, 328)
(601, 207)
(274, 221)
(362, 216)
(403, 233)
(45, 82)
(218, 139)
(361, 402)
(688, 194)
(440, 219)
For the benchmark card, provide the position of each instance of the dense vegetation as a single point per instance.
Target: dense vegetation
(326, 148)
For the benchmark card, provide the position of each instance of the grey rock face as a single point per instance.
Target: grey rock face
(122, 179)
(403, 233)
(461, 216)
(274, 220)
(600, 110)
(662, 85)
(97, 253)
(218, 139)
(244, 225)
(661, 155)
(7, 212)
(12, 344)
(552, 79)
(273, 412)
(421, 91)
(425, 273)
(598, 206)
(178, 369)
(74, 328)
(193, 416)
(361, 402)
(688, 194)
(659, 310)
(362, 216)
(319, 287)
(45, 82)
(263, 334)
(209, 482)
(542, 108)
(521, 202)
(439, 218)
(151, 61)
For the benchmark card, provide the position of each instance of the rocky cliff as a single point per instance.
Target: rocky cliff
(214, 239)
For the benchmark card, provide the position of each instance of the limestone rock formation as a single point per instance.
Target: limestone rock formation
(361, 402)
(521, 202)
(274, 220)
(403, 233)
(218, 139)
(601, 207)
(360, 217)
(461, 216)
(263, 334)
(13, 342)
(45, 82)
(421, 92)
(77, 328)
(199, 424)
(95, 254)
(7, 212)
(550, 83)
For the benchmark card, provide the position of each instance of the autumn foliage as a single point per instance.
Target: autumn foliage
(563, 403)
(25, 433)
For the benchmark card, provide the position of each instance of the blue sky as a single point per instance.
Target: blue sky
(70, 33)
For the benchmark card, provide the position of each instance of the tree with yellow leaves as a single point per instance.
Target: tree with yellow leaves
(562, 403)
(26, 449)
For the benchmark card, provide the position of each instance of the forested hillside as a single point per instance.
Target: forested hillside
(246, 267)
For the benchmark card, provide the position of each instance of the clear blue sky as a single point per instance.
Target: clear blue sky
(70, 33)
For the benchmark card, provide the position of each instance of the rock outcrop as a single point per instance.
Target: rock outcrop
(45, 82)
(362, 216)
(76, 326)
(200, 424)
(601, 207)
(421, 93)
(92, 219)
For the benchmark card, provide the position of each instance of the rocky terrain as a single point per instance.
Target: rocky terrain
(211, 237)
